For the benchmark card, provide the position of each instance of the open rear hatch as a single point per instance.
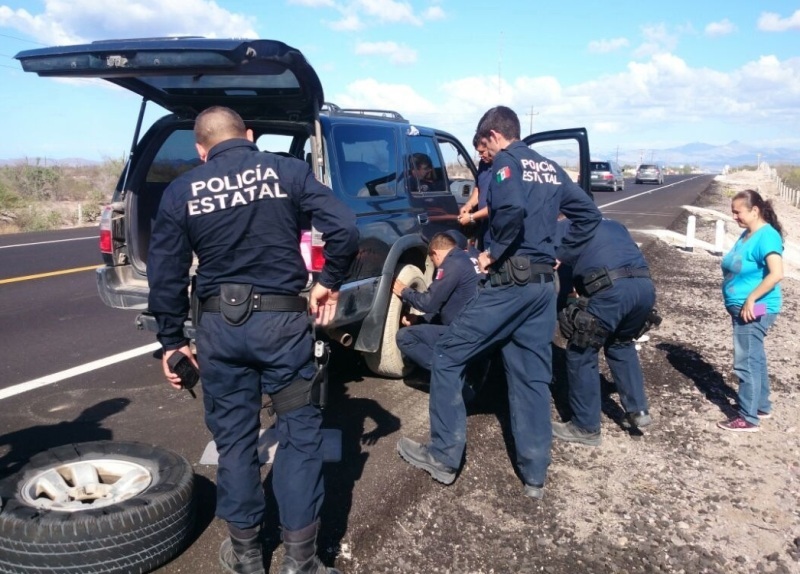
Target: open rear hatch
(260, 79)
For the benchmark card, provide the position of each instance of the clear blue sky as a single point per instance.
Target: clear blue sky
(637, 75)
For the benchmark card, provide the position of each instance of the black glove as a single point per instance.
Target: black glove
(566, 321)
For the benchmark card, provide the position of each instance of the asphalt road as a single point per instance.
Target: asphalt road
(52, 321)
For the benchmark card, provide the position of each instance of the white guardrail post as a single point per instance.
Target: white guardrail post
(690, 231)
(719, 237)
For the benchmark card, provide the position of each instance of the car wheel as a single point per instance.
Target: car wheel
(102, 506)
(388, 361)
(637, 181)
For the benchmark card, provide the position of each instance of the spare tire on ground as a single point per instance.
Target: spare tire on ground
(104, 506)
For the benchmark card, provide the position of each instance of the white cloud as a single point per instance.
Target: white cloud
(606, 46)
(771, 22)
(662, 93)
(314, 3)
(348, 23)
(721, 28)
(434, 13)
(397, 53)
(76, 21)
(657, 39)
(371, 94)
(390, 11)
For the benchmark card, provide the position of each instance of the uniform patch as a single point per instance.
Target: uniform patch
(503, 173)
(439, 274)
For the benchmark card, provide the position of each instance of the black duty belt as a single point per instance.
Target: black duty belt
(519, 270)
(599, 279)
(286, 303)
(628, 272)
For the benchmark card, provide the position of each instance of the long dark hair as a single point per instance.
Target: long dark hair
(753, 199)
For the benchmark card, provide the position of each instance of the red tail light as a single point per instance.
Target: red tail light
(311, 245)
(106, 244)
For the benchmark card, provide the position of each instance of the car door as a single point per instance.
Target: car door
(570, 149)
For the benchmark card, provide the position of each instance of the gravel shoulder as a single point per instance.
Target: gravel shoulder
(684, 497)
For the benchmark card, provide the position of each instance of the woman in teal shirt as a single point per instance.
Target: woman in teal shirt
(751, 271)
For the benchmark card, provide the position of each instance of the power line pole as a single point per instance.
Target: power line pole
(531, 114)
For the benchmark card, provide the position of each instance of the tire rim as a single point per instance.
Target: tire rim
(86, 485)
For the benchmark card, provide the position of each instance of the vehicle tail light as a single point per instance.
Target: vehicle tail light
(608, 176)
(106, 243)
(311, 245)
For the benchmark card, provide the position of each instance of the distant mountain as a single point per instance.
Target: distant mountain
(709, 157)
(45, 161)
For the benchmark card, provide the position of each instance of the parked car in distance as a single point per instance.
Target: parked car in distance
(607, 175)
(648, 172)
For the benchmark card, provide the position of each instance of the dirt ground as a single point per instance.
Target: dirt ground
(683, 497)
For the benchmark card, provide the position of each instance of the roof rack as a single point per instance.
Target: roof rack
(333, 109)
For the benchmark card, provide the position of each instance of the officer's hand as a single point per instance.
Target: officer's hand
(409, 319)
(397, 287)
(484, 261)
(322, 302)
(172, 378)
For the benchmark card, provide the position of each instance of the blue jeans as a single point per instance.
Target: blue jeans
(750, 364)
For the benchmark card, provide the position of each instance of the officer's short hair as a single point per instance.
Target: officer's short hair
(500, 119)
(459, 238)
(216, 124)
(441, 241)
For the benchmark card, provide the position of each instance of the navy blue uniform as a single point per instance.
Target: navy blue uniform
(240, 214)
(455, 284)
(483, 182)
(527, 192)
(622, 309)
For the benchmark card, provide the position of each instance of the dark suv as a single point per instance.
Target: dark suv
(365, 156)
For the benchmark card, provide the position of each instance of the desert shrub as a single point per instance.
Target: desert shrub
(790, 175)
(8, 198)
(38, 217)
(33, 181)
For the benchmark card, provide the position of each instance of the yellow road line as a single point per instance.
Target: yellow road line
(50, 274)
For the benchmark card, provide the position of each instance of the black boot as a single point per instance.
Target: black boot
(301, 552)
(242, 552)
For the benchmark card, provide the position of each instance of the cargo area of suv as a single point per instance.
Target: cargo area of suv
(364, 156)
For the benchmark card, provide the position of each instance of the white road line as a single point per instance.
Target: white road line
(95, 237)
(646, 192)
(79, 370)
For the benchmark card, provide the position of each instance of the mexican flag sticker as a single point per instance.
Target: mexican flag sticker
(503, 173)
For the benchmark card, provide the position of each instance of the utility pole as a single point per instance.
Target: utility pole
(531, 114)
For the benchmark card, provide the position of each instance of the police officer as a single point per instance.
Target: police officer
(455, 284)
(515, 311)
(474, 211)
(616, 301)
(239, 213)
